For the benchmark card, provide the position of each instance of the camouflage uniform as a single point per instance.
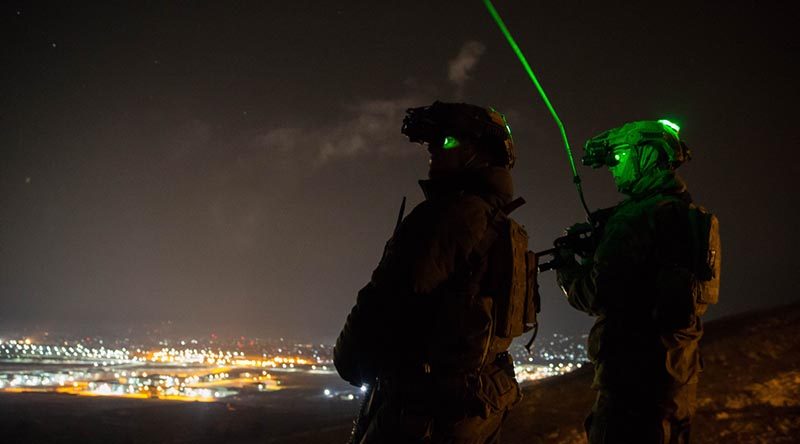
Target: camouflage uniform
(423, 324)
(644, 344)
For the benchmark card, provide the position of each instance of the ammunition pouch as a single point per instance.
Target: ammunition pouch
(497, 389)
(706, 257)
(456, 395)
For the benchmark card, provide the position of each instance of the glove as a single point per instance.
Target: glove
(565, 256)
(581, 242)
(580, 227)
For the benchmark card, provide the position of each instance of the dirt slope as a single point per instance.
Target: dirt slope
(749, 392)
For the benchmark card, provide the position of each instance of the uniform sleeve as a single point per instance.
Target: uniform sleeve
(355, 354)
(605, 281)
(429, 246)
(432, 243)
(446, 243)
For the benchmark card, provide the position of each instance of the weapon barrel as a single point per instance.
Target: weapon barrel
(545, 252)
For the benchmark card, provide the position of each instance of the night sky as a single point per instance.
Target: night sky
(237, 166)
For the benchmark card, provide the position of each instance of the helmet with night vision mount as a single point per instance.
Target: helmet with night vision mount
(661, 135)
(447, 123)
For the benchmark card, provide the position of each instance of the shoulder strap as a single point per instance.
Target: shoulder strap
(513, 205)
(499, 215)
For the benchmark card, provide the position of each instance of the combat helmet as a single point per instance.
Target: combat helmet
(659, 134)
(440, 122)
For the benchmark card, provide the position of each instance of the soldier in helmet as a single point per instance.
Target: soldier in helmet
(424, 331)
(653, 273)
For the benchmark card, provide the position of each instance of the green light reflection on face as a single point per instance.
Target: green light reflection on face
(624, 172)
(450, 142)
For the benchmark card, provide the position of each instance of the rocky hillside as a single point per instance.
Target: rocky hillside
(749, 392)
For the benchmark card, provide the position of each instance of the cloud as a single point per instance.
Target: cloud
(259, 171)
(372, 125)
(260, 166)
(369, 126)
(459, 68)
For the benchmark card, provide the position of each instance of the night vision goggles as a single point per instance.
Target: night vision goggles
(605, 148)
(447, 124)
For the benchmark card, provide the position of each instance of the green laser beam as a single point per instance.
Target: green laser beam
(496, 16)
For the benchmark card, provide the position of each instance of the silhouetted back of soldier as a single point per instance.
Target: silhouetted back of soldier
(653, 273)
(431, 329)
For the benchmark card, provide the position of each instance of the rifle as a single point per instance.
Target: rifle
(581, 239)
(371, 397)
(365, 413)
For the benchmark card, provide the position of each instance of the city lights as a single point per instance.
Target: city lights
(188, 370)
(185, 373)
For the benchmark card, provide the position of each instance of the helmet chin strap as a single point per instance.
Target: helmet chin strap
(468, 163)
(475, 160)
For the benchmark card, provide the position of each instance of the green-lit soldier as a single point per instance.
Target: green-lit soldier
(424, 330)
(653, 273)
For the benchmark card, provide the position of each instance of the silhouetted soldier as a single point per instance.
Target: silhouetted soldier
(653, 273)
(432, 327)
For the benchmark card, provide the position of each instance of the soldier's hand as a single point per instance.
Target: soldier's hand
(566, 269)
(578, 228)
(565, 257)
(578, 238)
(563, 279)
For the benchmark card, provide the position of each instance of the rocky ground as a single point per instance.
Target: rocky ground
(749, 392)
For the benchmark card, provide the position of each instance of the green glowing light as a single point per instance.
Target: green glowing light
(619, 156)
(667, 123)
(496, 16)
(450, 142)
(576, 179)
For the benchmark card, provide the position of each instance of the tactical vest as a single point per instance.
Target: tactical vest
(510, 279)
(492, 299)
